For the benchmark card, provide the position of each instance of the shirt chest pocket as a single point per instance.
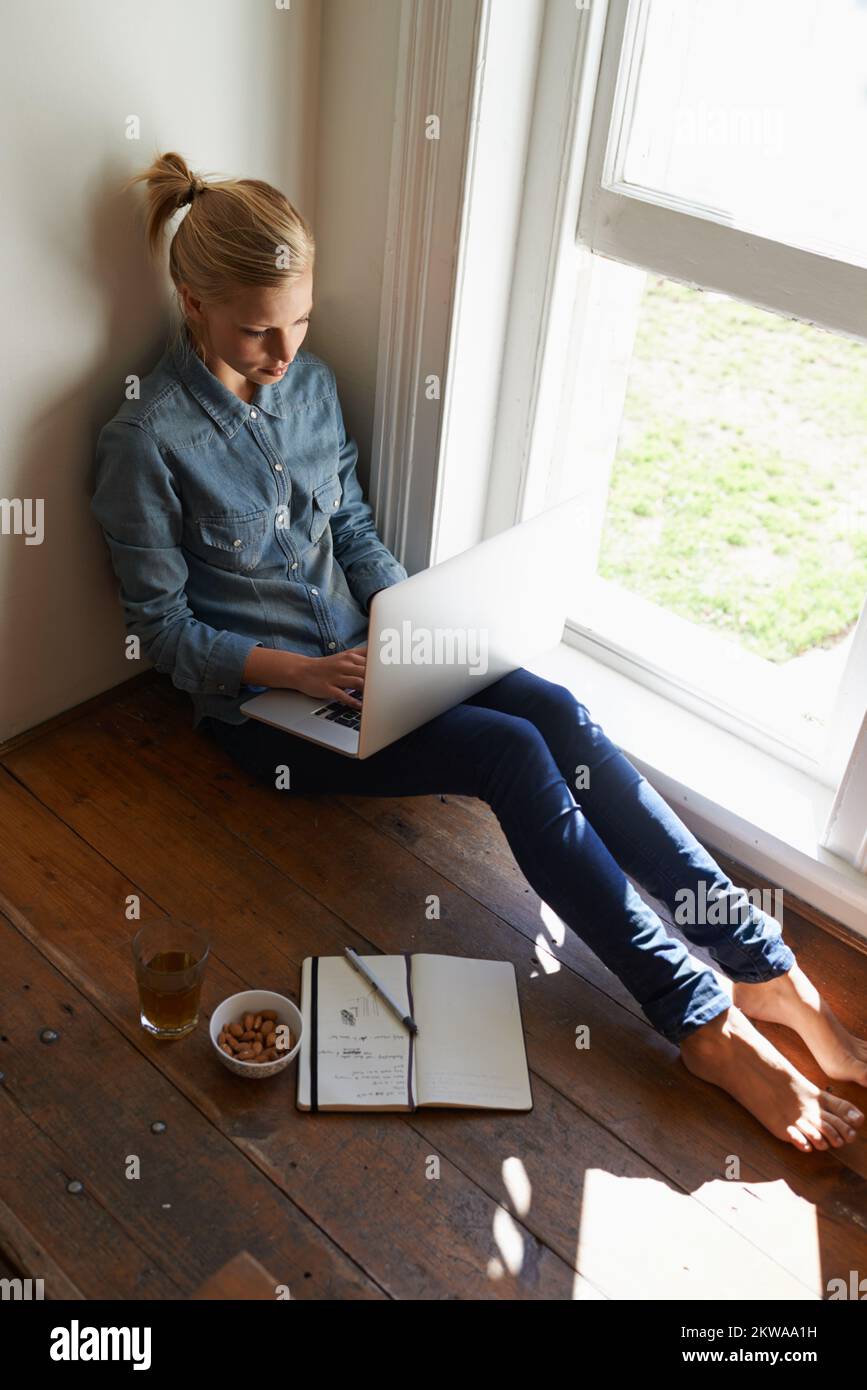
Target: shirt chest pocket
(326, 500)
(234, 541)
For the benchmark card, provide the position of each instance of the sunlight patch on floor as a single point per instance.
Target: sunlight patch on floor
(640, 1238)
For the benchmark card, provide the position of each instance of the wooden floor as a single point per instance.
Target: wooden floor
(630, 1179)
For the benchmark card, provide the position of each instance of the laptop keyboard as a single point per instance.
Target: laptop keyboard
(339, 713)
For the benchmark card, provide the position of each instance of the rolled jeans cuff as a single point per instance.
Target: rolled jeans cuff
(756, 954)
(675, 1017)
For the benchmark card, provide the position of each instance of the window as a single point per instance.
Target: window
(753, 115)
(728, 551)
(670, 174)
(711, 414)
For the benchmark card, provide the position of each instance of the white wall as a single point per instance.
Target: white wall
(358, 82)
(235, 88)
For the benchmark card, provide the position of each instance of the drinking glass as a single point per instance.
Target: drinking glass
(170, 962)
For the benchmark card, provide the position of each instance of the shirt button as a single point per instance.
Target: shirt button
(332, 644)
(236, 543)
(334, 503)
(254, 414)
(278, 467)
(294, 565)
(314, 591)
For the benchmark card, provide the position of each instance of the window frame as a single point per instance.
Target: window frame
(491, 459)
(673, 237)
(624, 225)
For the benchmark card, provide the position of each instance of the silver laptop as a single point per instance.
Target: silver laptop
(443, 634)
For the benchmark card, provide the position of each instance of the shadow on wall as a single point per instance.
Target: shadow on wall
(61, 628)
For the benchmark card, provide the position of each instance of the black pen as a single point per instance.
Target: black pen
(358, 964)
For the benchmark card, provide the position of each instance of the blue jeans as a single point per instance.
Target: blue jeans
(519, 744)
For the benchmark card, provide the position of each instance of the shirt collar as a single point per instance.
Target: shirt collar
(224, 407)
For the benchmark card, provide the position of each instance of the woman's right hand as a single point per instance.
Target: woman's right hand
(331, 677)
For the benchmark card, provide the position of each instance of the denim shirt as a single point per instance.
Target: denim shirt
(233, 526)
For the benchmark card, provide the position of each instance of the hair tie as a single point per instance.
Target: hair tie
(196, 186)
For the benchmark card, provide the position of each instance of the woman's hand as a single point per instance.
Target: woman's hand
(319, 676)
(330, 677)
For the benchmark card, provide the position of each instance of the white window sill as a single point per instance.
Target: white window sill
(734, 797)
(782, 709)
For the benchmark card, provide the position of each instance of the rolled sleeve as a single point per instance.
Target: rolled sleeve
(141, 515)
(367, 564)
(367, 582)
(225, 668)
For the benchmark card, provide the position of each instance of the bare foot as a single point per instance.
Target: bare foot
(793, 1000)
(729, 1052)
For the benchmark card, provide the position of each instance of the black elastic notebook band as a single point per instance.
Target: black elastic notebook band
(314, 1032)
(409, 1097)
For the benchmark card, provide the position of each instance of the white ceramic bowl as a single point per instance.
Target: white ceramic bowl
(252, 1001)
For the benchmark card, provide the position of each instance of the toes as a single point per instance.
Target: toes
(833, 1128)
(813, 1133)
(799, 1140)
(843, 1110)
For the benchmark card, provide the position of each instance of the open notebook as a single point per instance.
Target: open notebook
(469, 1049)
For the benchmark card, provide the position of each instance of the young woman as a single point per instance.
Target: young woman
(247, 557)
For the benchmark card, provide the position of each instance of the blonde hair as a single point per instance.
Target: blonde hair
(236, 232)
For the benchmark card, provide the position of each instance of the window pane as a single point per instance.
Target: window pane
(754, 111)
(738, 494)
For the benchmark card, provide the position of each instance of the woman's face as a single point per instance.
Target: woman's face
(255, 334)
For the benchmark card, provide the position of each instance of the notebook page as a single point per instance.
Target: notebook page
(363, 1048)
(470, 1039)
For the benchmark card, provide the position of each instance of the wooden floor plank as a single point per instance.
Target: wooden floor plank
(158, 748)
(613, 1252)
(242, 1277)
(437, 837)
(20, 1250)
(91, 1252)
(81, 1108)
(430, 1239)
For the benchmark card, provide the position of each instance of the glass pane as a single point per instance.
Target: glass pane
(738, 494)
(755, 111)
